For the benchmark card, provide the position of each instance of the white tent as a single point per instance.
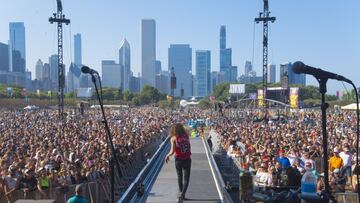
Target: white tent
(349, 107)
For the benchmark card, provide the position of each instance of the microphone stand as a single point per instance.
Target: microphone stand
(112, 154)
(326, 196)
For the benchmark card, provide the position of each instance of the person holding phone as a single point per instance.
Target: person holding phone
(180, 146)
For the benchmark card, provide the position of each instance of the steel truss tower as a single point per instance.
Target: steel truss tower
(59, 18)
(265, 18)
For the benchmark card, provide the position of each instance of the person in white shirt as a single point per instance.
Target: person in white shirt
(346, 156)
(263, 176)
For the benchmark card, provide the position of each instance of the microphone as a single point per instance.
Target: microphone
(300, 68)
(87, 70)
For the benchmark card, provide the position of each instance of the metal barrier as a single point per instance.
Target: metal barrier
(145, 178)
(92, 191)
(346, 197)
(220, 185)
(98, 191)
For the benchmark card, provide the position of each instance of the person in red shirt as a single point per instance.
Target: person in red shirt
(180, 146)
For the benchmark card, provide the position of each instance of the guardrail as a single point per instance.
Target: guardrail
(346, 197)
(220, 185)
(140, 187)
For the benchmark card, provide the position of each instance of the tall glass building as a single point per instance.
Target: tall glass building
(54, 71)
(180, 58)
(77, 50)
(4, 57)
(39, 67)
(124, 61)
(148, 52)
(225, 55)
(271, 73)
(111, 74)
(203, 73)
(17, 53)
(286, 71)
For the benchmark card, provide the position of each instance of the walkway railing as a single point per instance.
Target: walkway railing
(140, 187)
(220, 185)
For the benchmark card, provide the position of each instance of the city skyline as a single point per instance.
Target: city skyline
(294, 36)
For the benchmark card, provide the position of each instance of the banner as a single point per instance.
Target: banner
(260, 97)
(252, 96)
(294, 97)
(237, 89)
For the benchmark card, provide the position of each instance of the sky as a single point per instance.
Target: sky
(321, 33)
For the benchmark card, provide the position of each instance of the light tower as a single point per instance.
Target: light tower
(59, 18)
(265, 18)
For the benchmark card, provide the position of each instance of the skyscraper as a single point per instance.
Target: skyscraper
(157, 67)
(46, 72)
(111, 74)
(225, 55)
(124, 61)
(217, 78)
(286, 71)
(54, 71)
(233, 73)
(163, 82)
(46, 77)
(203, 75)
(73, 78)
(17, 47)
(248, 68)
(180, 58)
(148, 52)
(223, 37)
(39, 70)
(271, 73)
(4, 57)
(77, 50)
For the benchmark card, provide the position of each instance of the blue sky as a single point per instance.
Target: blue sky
(321, 33)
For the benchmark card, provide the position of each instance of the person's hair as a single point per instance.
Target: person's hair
(177, 130)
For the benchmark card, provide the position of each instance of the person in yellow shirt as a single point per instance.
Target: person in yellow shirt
(335, 161)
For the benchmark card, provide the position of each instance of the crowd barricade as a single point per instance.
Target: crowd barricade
(350, 197)
(93, 191)
(98, 191)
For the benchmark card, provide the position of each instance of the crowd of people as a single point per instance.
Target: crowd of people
(279, 149)
(39, 152)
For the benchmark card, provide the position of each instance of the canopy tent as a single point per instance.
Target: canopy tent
(349, 107)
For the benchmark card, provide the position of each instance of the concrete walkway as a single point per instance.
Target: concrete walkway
(202, 186)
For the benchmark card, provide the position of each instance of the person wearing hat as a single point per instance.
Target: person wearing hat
(337, 181)
(78, 197)
(335, 161)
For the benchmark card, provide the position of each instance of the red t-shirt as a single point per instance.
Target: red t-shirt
(182, 147)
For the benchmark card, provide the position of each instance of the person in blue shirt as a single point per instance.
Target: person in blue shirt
(78, 198)
(284, 161)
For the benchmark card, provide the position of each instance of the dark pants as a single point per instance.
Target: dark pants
(183, 168)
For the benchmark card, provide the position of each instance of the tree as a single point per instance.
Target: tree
(204, 104)
(221, 91)
(150, 94)
(128, 96)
